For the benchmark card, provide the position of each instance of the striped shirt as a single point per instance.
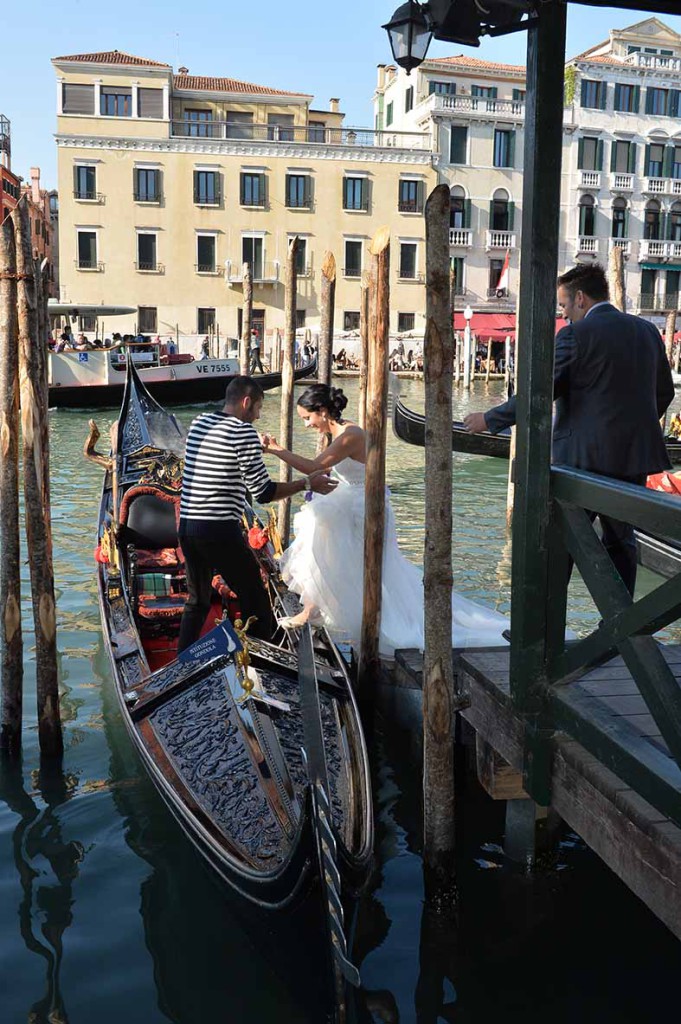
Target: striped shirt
(223, 458)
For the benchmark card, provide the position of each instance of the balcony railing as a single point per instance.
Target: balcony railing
(461, 237)
(653, 248)
(360, 206)
(674, 250)
(203, 199)
(87, 196)
(150, 267)
(416, 277)
(587, 244)
(409, 206)
(653, 60)
(476, 105)
(208, 268)
(589, 179)
(500, 240)
(620, 243)
(656, 186)
(658, 303)
(622, 182)
(360, 138)
(261, 273)
(91, 265)
(352, 271)
(147, 197)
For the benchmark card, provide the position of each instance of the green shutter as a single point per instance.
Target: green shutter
(263, 188)
(580, 154)
(604, 95)
(420, 190)
(667, 161)
(618, 96)
(493, 92)
(637, 99)
(613, 155)
(646, 161)
(467, 213)
(511, 215)
(649, 100)
(626, 222)
(511, 149)
(583, 96)
(599, 155)
(632, 158)
(675, 103)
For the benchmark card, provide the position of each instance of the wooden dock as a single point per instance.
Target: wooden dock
(639, 841)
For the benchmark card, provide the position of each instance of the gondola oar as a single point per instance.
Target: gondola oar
(321, 806)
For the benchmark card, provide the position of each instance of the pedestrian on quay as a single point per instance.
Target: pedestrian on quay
(611, 383)
(254, 352)
(223, 459)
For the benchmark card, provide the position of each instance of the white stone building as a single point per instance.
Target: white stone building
(621, 180)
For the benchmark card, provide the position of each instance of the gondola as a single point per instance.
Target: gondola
(257, 748)
(410, 426)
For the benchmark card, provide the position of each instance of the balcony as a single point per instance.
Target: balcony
(653, 60)
(587, 244)
(261, 274)
(674, 250)
(500, 240)
(147, 197)
(653, 249)
(292, 135)
(208, 269)
(656, 186)
(93, 266)
(589, 179)
(622, 182)
(86, 196)
(461, 237)
(676, 187)
(149, 267)
(620, 243)
(477, 105)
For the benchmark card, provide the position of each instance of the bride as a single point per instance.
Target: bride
(325, 563)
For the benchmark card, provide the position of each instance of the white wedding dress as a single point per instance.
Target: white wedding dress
(325, 566)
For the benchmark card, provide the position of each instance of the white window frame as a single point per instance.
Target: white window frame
(417, 261)
(216, 265)
(91, 229)
(354, 238)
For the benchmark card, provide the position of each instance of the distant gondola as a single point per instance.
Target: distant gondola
(270, 784)
(410, 426)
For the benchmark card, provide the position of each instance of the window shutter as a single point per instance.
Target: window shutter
(467, 213)
(646, 161)
(583, 94)
(613, 155)
(420, 196)
(603, 90)
(618, 96)
(150, 102)
(345, 193)
(196, 186)
(75, 180)
(675, 103)
(667, 161)
(493, 92)
(599, 155)
(511, 215)
(366, 193)
(670, 226)
(263, 189)
(242, 189)
(511, 149)
(287, 190)
(491, 214)
(649, 101)
(159, 184)
(632, 158)
(431, 88)
(663, 225)
(580, 154)
(78, 99)
(637, 99)
(626, 223)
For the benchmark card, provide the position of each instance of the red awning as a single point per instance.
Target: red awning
(493, 325)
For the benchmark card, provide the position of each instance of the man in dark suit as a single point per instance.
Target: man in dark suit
(612, 383)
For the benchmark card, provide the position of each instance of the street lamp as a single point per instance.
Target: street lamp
(410, 32)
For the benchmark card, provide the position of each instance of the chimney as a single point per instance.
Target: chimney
(334, 105)
(35, 185)
(183, 71)
(380, 83)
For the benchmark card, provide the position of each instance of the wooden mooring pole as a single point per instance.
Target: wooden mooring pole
(246, 320)
(364, 349)
(328, 305)
(376, 430)
(669, 331)
(36, 459)
(439, 705)
(617, 291)
(11, 645)
(286, 419)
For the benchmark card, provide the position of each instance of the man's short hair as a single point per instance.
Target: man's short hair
(243, 387)
(587, 278)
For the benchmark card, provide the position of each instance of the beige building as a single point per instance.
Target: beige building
(169, 182)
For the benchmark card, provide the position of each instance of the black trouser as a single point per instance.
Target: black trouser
(231, 558)
(619, 541)
(255, 361)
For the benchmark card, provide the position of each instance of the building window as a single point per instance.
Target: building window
(593, 94)
(205, 320)
(298, 191)
(407, 270)
(87, 323)
(409, 99)
(676, 162)
(671, 291)
(300, 319)
(495, 269)
(619, 218)
(355, 194)
(206, 188)
(77, 99)
(280, 127)
(458, 144)
(501, 212)
(488, 92)
(85, 182)
(410, 196)
(442, 88)
(405, 322)
(316, 131)
(150, 103)
(301, 256)
(458, 270)
(648, 287)
(652, 224)
(675, 223)
(147, 319)
(353, 258)
(350, 320)
(389, 115)
(115, 101)
(252, 252)
(504, 147)
(623, 157)
(198, 123)
(655, 160)
(87, 250)
(657, 101)
(147, 185)
(459, 209)
(587, 216)
(146, 251)
(590, 154)
(205, 254)
(239, 125)
(252, 189)
(519, 95)
(627, 98)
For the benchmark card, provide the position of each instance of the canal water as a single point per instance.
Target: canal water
(107, 914)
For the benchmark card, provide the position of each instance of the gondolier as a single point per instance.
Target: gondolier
(223, 460)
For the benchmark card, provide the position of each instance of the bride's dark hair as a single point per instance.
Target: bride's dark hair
(322, 396)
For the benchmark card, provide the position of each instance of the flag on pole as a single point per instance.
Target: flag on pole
(503, 282)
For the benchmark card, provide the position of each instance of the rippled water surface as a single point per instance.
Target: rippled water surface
(106, 913)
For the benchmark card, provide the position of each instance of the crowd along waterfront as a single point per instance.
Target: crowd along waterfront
(106, 912)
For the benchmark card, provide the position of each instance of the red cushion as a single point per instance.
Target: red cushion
(163, 558)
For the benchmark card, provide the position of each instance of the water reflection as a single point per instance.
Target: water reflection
(47, 867)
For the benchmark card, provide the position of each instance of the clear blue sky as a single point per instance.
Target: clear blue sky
(324, 49)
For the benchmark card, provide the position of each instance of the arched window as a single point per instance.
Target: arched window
(587, 216)
(457, 208)
(499, 213)
(652, 227)
(619, 218)
(675, 223)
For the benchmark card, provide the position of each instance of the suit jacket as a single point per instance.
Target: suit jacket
(611, 385)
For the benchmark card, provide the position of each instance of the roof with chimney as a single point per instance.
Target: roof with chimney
(117, 57)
